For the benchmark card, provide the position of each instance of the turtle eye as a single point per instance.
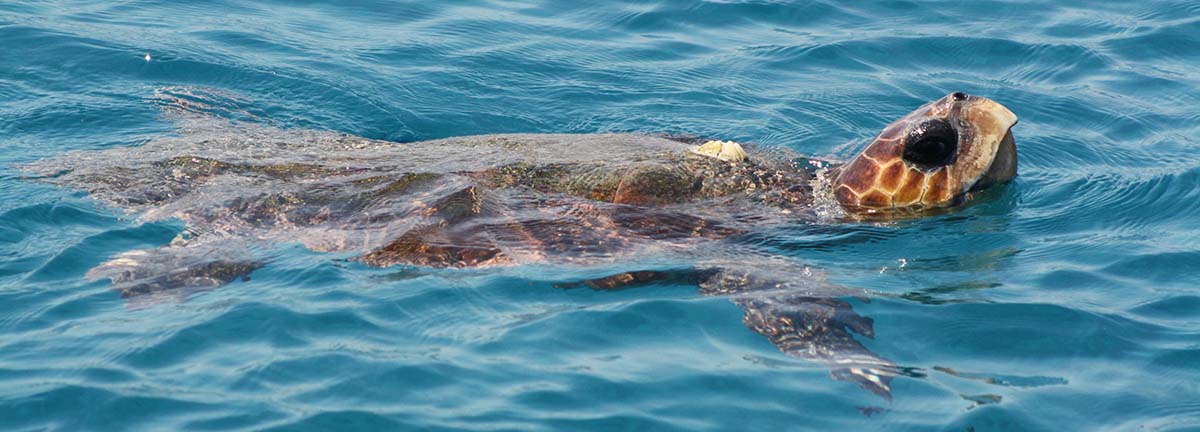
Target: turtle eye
(931, 144)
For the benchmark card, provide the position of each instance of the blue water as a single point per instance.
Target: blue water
(1068, 300)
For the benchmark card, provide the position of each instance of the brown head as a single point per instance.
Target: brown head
(932, 157)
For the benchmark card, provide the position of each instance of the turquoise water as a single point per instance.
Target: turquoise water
(1065, 301)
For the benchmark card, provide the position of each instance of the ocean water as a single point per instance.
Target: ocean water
(1068, 300)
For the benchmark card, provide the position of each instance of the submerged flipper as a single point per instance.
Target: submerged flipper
(173, 271)
(794, 308)
(818, 329)
(436, 246)
(806, 318)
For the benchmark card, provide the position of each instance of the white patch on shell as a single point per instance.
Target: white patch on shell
(728, 151)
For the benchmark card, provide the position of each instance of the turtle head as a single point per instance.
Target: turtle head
(933, 157)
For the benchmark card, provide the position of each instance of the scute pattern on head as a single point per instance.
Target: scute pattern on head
(893, 184)
(955, 144)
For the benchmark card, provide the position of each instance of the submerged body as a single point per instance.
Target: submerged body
(582, 200)
(459, 202)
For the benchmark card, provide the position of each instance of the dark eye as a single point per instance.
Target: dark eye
(931, 144)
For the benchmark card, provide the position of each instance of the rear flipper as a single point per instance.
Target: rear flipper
(172, 271)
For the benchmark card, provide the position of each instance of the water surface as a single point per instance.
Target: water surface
(1066, 301)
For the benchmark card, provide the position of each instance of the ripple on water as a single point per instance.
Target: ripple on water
(252, 325)
(1174, 307)
(105, 409)
(1175, 43)
(1065, 301)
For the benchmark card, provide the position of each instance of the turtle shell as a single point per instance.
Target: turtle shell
(460, 202)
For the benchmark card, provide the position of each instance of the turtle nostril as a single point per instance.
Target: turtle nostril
(959, 96)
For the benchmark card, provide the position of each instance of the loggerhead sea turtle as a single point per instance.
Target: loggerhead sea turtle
(542, 199)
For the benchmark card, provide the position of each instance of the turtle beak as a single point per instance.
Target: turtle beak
(995, 122)
(1004, 166)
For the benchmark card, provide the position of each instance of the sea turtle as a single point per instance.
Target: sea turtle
(600, 200)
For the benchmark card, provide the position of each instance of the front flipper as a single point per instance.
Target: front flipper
(793, 306)
(436, 246)
(805, 318)
(819, 329)
(632, 279)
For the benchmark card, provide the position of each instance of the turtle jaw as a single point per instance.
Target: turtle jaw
(1004, 165)
(992, 158)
